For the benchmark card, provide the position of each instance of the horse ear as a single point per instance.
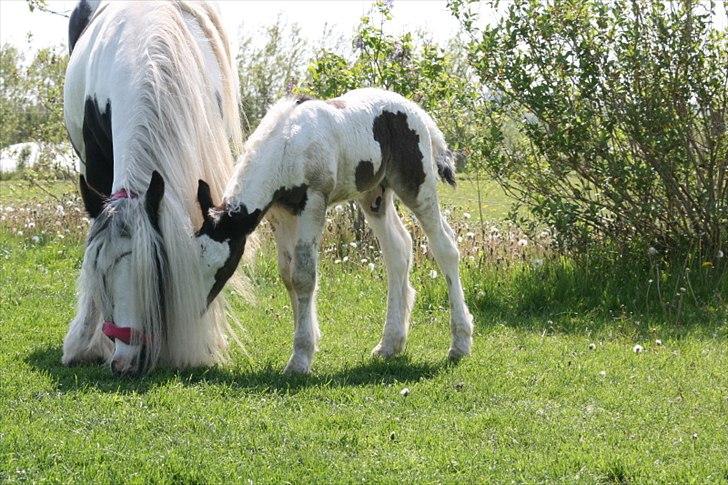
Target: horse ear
(93, 201)
(153, 199)
(205, 200)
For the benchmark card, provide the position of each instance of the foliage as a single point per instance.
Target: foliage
(32, 102)
(407, 64)
(620, 110)
(269, 72)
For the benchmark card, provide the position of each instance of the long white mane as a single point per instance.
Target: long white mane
(178, 130)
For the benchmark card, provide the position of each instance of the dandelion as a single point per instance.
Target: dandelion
(719, 254)
(433, 274)
(481, 295)
(35, 239)
(339, 208)
(707, 264)
(346, 258)
(352, 244)
(371, 266)
(658, 342)
(364, 261)
(652, 251)
(337, 261)
(592, 346)
(405, 392)
(460, 238)
(602, 373)
(523, 242)
(470, 235)
(60, 210)
(466, 215)
(637, 348)
(537, 263)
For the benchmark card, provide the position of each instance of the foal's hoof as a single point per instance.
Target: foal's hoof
(455, 354)
(384, 352)
(296, 367)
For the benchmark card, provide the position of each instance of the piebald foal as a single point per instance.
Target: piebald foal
(368, 145)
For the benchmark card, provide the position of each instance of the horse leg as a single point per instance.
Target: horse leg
(444, 247)
(396, 245)
(284, 230)
(303, 278)
(84, 341)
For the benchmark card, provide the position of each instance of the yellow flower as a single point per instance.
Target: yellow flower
(707, 264)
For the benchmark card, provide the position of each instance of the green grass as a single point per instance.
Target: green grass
(530, 404)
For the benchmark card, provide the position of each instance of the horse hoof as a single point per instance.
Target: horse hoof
(455, 354)
(296, 368)
(382, 352)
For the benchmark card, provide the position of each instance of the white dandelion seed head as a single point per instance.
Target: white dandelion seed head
(602, 373)
(35, 239)
(719, 254)
(433, 274)
(353, 244)
(652, 251)
(371, 266)
(592, 346)
(405, 392)
(658, 342)
(637, 349)
(523, 242)
(346, 258)
(466, 215)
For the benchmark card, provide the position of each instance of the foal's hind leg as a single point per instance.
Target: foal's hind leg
(444, 247)
(303, 279)
(396, 245)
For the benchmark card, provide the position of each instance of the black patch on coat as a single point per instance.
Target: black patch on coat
(364, 175)
(97, 137)
(77, 23)
(293, 199)
(93, 201)
(153, 199)
(303, 99)
(400, 153)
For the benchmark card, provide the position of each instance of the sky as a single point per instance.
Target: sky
(248, 17)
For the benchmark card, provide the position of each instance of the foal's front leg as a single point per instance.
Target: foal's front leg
(303, 279)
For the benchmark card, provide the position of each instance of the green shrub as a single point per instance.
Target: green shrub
(619, 113)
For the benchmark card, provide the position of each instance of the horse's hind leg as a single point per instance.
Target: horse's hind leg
(303, 279)
(396, 245)
(444, 248)
(84, 341)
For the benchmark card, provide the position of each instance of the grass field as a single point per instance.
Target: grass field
(533, 403)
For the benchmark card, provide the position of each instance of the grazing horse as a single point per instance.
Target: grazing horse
(368, 145)
(151, 107)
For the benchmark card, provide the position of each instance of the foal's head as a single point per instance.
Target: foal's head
(125, 268)
(222, 237)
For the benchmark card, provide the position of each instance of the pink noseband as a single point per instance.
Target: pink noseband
(126, 334)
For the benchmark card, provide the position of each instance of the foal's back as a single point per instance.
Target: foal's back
(360, 141)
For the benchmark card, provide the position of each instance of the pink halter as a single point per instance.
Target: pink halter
(122, 194)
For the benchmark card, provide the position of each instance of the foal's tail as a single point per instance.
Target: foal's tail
(441, 154)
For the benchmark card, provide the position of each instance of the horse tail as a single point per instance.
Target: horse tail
(441, 154)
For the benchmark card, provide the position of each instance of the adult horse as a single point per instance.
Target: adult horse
(151, 106)
(368, 145)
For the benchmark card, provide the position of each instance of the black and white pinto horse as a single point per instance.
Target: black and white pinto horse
(368, 145)
(151, 107)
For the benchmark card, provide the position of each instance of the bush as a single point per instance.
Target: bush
(608, 119)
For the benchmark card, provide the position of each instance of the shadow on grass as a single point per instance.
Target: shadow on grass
(267, 379)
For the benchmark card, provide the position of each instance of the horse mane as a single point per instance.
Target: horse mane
(178, 130)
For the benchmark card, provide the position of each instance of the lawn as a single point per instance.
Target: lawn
(535, 402)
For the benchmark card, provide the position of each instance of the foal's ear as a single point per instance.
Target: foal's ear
(205, 199)
(93, 201)
(153, 198)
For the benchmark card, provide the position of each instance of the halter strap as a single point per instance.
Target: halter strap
(122, 194)
(127, 335)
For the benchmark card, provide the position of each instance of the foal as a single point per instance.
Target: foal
(368, 145)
